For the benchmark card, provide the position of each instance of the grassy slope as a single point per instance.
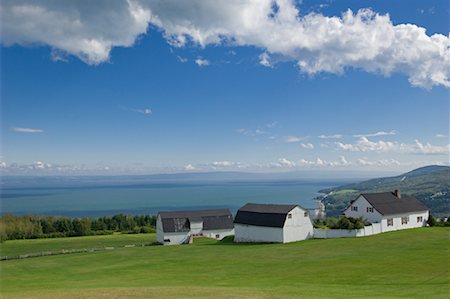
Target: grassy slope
(18, 247)
(412, 263)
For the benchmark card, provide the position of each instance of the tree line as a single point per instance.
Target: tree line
(14, 227)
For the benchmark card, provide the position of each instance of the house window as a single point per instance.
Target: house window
(289, 216)
(355, 209)
(217, 236)
(166, 240)
(305, 214)
(390, 222)
(369, 210)
(419, 219)
(405, 220)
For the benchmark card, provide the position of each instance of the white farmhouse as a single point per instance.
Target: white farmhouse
(390, 209)
(272, 223)
(180, 227)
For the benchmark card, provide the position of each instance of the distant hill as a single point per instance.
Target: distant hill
(429, 184)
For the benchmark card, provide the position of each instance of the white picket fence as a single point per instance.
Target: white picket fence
(369, 230)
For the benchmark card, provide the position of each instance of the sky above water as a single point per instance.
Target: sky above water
(133, 87)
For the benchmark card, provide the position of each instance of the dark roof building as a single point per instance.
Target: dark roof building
(179, 221)
(270, 215)
(392, 203)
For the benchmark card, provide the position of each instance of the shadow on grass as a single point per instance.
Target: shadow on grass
(229, 240)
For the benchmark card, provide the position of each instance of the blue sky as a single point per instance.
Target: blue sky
(153, 96)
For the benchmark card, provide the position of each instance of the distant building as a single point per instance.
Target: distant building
(392, 210)
(180, 227)
(272, 223)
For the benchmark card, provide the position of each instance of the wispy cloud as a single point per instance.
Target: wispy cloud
(379, 133)
(441, 136)
(334, 136)
(182, 59)
(146, 111)
(293, 139)
(307, 145)
(202, 62)
(272, 124)
(365, 145)
(27, 130)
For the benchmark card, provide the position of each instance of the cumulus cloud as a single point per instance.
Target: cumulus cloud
(202, 62)
(86, 29)
(379, 133)
(362, 40)
(334, 136)
(189, 167)
(307, 145)
(27, 130)
(365, 145)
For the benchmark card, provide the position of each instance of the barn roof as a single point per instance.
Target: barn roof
(387, 203)
(179, 221)
(270, 215)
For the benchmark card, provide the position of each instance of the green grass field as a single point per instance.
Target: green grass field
(19, 247)
(408, 264)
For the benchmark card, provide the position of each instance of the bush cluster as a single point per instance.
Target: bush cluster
(443, 222)
(31, 227)
(341, 223)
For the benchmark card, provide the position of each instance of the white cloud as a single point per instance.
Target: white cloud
(361, 40)
(307, 145)
(293, 139)
(365, 145)
(334, 136)
(441, 136)
(147, 111)
(379, 133)
(27, 130)
(189, 167)
(272, 124)
(202, 62)
(264, 60)
(85, 29)
(283, 162)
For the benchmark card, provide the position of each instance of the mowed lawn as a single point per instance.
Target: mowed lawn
(408, 264)
(18, 247)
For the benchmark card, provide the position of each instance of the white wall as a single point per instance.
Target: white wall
(196, 227)
(397, 219)
(297, 228)
(252, 233)
(362, 205)
(369, 230)
(221, 232)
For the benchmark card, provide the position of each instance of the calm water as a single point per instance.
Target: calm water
(149, 199)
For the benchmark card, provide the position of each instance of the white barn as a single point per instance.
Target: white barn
(390, 209)
(180, 227)
(272, 223)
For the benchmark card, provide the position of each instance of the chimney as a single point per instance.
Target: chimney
(397, 193)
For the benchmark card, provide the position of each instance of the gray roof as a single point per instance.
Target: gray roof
(387, 203)
(179, 221)
(270, 215)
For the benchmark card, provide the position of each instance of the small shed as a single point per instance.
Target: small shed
(273, 223)
(178, 227)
